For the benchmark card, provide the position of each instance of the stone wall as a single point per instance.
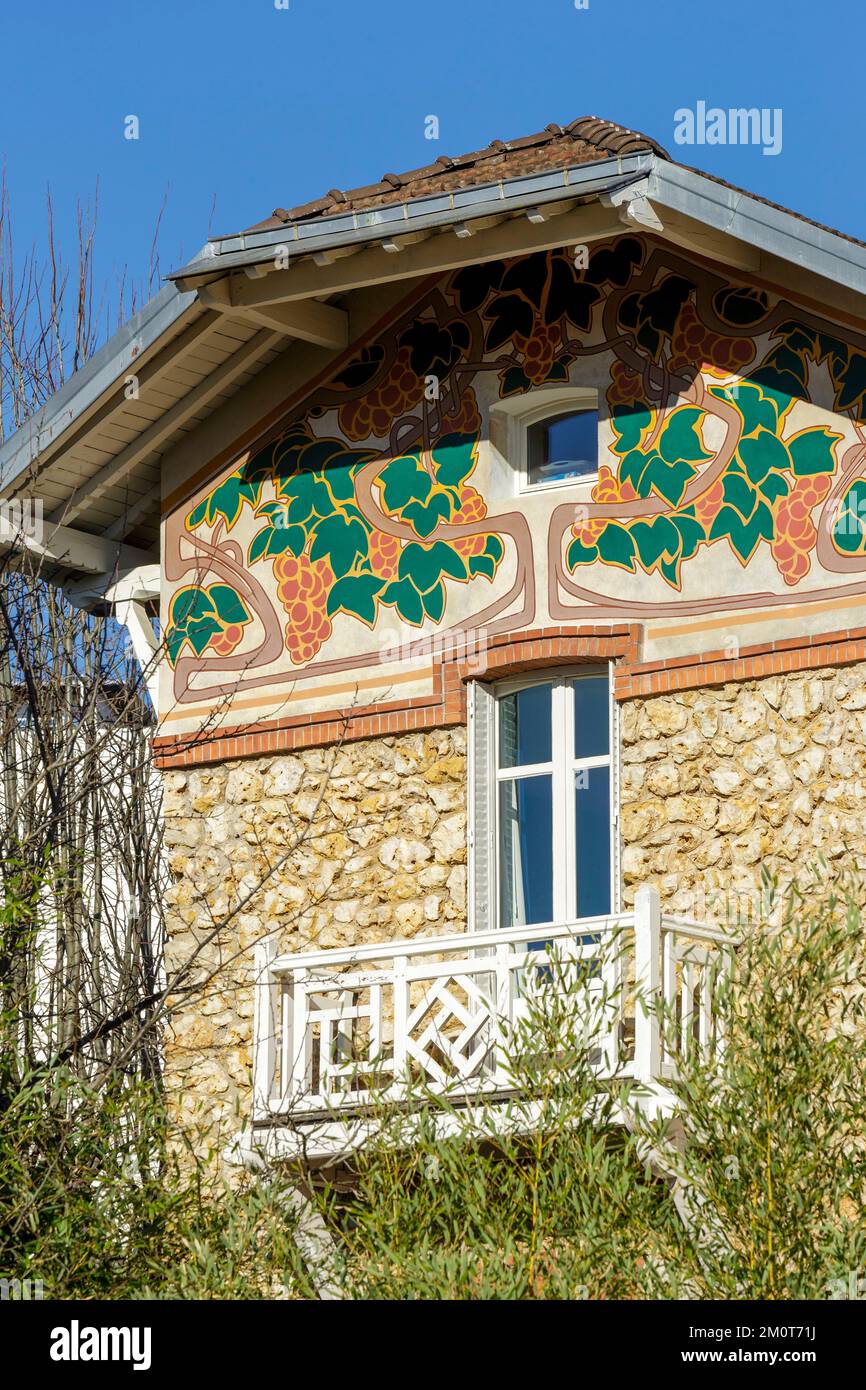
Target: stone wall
(328, 847)
(718, 782)
(368, 843)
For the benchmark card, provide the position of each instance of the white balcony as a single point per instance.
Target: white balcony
(339, 1033)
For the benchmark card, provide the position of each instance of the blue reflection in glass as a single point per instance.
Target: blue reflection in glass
(591, 717)
(525, 727)
(562, 448)
(592, 837)
(525, 851)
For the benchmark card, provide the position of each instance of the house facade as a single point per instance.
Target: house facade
(511, 559)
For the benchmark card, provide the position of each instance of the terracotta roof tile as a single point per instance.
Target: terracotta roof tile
(582, 141)
(556, 147)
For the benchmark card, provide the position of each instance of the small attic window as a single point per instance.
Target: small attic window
(562, 447)
(547, 438)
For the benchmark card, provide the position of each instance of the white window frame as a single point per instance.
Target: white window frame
(562, 769)
(543, 404)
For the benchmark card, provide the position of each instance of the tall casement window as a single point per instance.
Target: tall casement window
(543, 833)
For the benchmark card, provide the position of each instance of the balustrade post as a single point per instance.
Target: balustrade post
(401, 1018)
(647, 969)
(264, 1027)
(301, 1080)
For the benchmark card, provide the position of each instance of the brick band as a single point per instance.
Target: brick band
(511, 654)
(504, 655)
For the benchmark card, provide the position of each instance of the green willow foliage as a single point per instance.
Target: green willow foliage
(100, 1195)
(757, 1190)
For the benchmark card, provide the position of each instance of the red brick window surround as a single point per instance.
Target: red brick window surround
(508, 654)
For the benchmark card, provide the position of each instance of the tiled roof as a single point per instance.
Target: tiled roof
(556, 147)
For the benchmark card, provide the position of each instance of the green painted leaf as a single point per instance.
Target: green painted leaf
(744, 536)
(849, 529)
(482, 564)
(761, 453)
(654, 539)
(773, 487)
(851, 383)
(580, 554)
(406, 599)
(616, 546)
(190, 604)
(495, 548)
(283, 538)
(629, 424)
(404, 480)
(229, 605)
(679, 440)
(258, 544)
(356, 594)
(425, 564)
(783, 371)
(434, 602)
(341, 540)
(513, 382)
(201, 631)
(740, 494)
(307, 496)
(758, 410)
(812, 451)
(424, 517)
(454, 458)
(649, 473)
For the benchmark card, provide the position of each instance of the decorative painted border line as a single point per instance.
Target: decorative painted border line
(511, 654)
(505, 655)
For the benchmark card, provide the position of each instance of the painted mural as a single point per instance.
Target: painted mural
(732, 419)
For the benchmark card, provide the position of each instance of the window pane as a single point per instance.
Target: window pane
(563, 447)
(524, 727)
(592, 840)
(525, 851)
(591, 717)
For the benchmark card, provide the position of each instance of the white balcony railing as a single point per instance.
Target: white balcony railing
(336, 1030)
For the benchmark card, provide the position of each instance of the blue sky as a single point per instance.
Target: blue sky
(244, 107)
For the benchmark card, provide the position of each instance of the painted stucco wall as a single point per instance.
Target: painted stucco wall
(385, 508)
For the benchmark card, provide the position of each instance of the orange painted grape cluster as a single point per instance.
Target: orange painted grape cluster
(472, 508)
(625, 385)
(607, 489)
(795, 533)
(538, 350)
(224, 643)
(693, 343)
(467, 420)
(384, 554)
(304, 585)
(708, 504)
(373, 413)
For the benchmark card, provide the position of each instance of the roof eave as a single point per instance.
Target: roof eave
(768, 228)
(104, 372)
(428, 213)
